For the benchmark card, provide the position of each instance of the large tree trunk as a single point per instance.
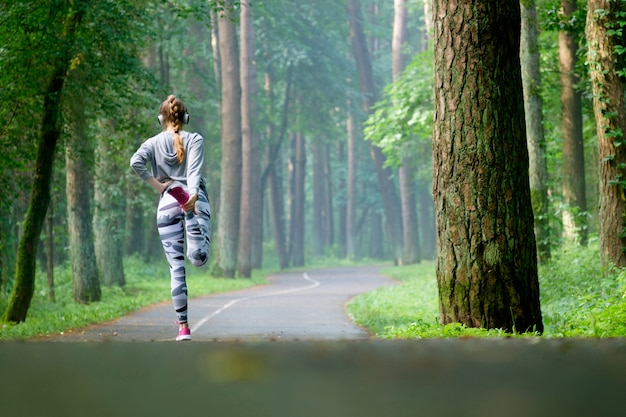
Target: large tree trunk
(24, 284)
(230, 189)
(574, 194)
(610, 115)
(366, 80)
(410, 236)
(251, 209)
(108, 218)
(531, 77)
(487, 261)
(79, 182)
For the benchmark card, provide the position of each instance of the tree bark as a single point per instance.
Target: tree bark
(251, 209)
(79, 184)
(610, 114)
(230, 189)
(108, 218)
(538, 172)
(24, 284)
(366, 80)
(573, 170)
(487, 262)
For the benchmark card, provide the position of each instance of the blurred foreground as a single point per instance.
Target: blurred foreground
(462, 377)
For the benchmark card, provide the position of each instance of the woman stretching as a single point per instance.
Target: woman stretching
(175, 158)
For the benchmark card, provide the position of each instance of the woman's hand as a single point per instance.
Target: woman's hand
(159, 186)
(190, 205)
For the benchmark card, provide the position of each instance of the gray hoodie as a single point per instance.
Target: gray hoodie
(159, 152)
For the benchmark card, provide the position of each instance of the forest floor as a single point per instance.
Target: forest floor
(289, 349)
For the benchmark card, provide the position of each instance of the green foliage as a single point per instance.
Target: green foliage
(554, 19)
(147, 283)
(402, 122)
(578, 299)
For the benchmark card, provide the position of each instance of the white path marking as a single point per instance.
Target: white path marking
(305, 276)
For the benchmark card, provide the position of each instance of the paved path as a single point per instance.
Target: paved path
(306, 305)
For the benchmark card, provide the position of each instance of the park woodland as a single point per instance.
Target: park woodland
(483, 136)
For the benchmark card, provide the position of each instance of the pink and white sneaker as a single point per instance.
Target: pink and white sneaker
(184, 333)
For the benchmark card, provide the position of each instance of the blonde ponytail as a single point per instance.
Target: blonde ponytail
(180, 150)
(174, 111)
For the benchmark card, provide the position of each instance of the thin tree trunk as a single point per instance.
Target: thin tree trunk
(135, 241)
(610, 114)
(298, 198)
(251, 209)
(574, 194)
(24, 284)
(230, 189)
(79, 182)
(278, 214)
(351, 189)
(318, 199)
(342, 209)
(531, 77)
(215, 42)
(410, 237)
(487, 260)
(273, 172)
(50, 252)
(327, 219)
(376, 249)
(427, 219)
(108, 218)
(369, 93)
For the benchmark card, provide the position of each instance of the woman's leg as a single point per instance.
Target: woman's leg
(198, 228)
(171, 231)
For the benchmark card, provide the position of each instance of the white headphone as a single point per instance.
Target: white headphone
(185, 119)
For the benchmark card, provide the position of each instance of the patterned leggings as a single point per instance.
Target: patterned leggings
(174, 225)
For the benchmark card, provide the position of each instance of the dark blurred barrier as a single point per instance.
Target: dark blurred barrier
(301, 379)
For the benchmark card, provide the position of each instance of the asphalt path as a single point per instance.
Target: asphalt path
(288, 349)
(292, 306)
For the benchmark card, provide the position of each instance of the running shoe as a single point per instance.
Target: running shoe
(184, 333)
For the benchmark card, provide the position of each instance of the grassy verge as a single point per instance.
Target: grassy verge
(578, 299)
(145, 284)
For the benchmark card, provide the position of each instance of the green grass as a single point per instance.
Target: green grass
(578, 299)
(146, 284)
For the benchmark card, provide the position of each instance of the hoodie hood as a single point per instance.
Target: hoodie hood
(165, 146)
